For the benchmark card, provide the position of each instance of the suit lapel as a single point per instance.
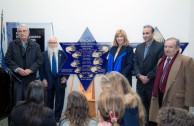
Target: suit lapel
(150, 49)
(113, 51)
(142, 50)
(47, 60)
(173, 73)
(123, 48)
(59, 60)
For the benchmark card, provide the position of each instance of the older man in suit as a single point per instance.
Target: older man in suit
(174, 83)
(55, 84)
(146, 57)
(24, 58)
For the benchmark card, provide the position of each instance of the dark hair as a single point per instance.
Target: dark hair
(149, 26)
(34, 106)
(77, 111)
(171, 116)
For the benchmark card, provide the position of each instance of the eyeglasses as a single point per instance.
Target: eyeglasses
(24, 31)
(52, 42)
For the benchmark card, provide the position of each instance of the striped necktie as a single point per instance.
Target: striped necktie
(164, 71)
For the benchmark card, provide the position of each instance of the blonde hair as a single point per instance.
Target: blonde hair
(118, 32)
(111, 106)
(117, 82)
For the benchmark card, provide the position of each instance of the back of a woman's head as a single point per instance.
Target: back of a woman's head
(77, 111)
(117, 82)
(172, 116)
(36, 92)
(34, 111)
(111, 106)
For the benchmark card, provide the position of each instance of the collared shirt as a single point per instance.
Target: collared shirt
(148, 44)
(24, 44)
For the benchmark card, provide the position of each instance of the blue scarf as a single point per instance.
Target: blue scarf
(116, 64)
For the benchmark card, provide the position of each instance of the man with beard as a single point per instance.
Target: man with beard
(55, 84)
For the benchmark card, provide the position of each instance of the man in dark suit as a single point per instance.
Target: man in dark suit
(24, 58)
(146, 57)
(53, 60)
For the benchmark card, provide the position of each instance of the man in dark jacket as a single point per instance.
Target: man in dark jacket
(24, 58)
(55, 84)
(146, 57)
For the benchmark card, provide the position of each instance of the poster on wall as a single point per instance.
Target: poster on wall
(39, 32)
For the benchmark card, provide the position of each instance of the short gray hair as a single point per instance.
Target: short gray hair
(174, 39)
(23, 25)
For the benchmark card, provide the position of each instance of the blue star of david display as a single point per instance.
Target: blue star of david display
(86, 58)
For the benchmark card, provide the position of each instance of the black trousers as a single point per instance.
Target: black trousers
(56, 96)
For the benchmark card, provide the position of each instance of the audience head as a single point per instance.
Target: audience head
(120, 38)
(77, 111)
(171, 46)
(171, 116)
(148, 33)
(111, 107)
(23, 32)
(34, 110)
(117, 82)
(36, 92)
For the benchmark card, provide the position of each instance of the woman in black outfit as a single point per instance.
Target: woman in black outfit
(33, 111)
(120, 56)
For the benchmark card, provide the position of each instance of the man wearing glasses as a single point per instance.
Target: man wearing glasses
(24, 58)
(55, 84)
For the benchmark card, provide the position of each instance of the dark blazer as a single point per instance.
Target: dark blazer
(126, 65)
(45, 70)
(30, 58)
(16, 116)
(55, 88)
(147, 66)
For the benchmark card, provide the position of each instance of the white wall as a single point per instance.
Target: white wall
(174, 18)
(104, 17)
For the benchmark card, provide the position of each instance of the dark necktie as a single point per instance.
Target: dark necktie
(164, 71)
(54, 65)
(146, 50)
